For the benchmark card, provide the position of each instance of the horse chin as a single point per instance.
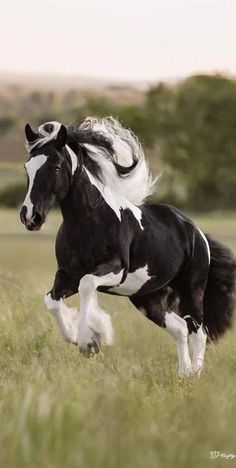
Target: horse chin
(39, 228)
(36, 224)
(35, 228)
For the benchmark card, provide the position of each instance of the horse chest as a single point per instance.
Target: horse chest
(133, 282)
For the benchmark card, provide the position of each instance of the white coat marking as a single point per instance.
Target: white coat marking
(207, 244)
(133, 282)
(115, 200)
(32, 166)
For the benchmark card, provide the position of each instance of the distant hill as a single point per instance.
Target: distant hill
(38, 98)
(65, 81)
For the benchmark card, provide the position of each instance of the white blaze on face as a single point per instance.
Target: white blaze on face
(32, 166)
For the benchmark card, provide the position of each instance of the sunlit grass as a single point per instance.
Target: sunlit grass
(125, 408)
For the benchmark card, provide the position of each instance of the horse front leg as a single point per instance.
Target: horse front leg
(95, 325)
(66, 317)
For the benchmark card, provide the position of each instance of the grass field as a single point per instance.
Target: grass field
(125, 408)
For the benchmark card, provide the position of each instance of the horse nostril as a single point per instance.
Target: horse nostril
(37, 219)
(23, 214)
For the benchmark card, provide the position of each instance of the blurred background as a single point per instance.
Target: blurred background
(165, 69)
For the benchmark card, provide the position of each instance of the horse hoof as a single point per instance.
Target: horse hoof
(185, 372)
(90, 350)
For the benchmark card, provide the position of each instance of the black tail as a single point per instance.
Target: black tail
(219, 296)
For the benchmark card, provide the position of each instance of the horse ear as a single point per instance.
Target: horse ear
(30, 134)
(61, 138)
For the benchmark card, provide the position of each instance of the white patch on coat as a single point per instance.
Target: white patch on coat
(115, 200)
(32, 166)
(74, 159)
(177, 327)
(133, 282)
(207, 244)
(197, 343)
(67, 318)
(93, 321)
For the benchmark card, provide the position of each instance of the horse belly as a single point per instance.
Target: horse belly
(133, 282)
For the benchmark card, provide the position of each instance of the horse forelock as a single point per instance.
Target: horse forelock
(47, 132)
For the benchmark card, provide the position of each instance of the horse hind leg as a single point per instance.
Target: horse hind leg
(191, 309)
(178, 329)
(197, 342)
(156, 307)
(191, 286)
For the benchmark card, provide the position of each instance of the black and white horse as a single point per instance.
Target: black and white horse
(112, 241)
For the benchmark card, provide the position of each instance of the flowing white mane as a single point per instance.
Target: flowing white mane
(116, 151)
(135, 184)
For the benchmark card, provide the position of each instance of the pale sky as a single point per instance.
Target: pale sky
(129, 39)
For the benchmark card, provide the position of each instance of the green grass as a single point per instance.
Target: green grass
(125, 408)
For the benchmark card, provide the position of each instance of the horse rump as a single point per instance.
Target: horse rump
(219, 300)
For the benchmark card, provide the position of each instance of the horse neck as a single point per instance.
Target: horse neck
(80, 201)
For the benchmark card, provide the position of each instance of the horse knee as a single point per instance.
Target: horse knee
(87, 283)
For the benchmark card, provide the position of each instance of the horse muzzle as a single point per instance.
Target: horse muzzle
(32, 223)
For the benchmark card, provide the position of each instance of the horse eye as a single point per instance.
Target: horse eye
(56, 169)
